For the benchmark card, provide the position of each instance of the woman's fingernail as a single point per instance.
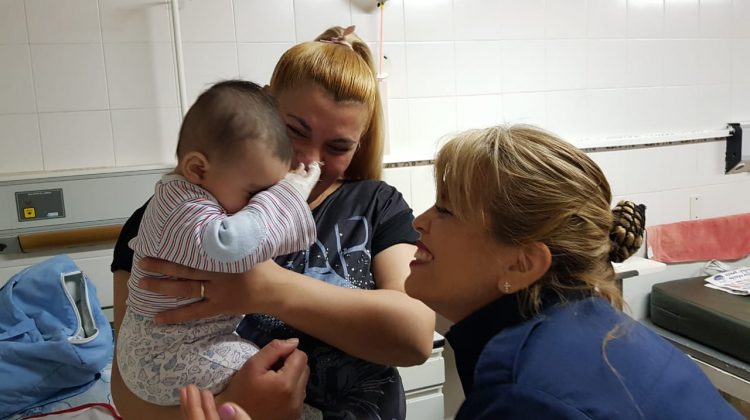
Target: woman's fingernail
(293, 340)
(226, 412)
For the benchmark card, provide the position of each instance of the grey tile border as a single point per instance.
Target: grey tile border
(593, 149)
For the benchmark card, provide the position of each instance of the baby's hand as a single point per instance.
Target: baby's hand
(304, 180)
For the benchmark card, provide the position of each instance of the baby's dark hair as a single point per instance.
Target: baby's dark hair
(228, 113)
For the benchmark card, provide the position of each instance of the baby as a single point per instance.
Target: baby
(230, 203)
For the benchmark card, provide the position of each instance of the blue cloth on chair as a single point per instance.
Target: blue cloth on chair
(54, 338)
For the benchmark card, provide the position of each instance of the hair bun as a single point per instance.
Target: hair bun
(628, 227)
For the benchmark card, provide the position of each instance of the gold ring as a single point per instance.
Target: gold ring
(203, 290)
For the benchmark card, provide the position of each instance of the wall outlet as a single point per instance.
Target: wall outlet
(695, 207)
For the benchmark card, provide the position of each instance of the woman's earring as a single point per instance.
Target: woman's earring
(506, 286)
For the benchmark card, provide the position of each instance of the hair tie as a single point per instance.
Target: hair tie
(341, 39)
(628, 227)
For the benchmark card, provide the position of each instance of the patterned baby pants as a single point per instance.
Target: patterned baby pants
(156, 360)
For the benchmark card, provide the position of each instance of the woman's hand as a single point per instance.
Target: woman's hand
(200, 405)
(223, 293)
(266, 390)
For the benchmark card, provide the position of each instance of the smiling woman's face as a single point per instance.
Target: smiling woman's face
(322, 130)
(457, 268)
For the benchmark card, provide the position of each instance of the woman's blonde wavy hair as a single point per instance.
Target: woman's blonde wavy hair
(524, 185)
(347, 74)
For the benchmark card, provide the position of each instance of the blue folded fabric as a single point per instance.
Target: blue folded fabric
(54, 338)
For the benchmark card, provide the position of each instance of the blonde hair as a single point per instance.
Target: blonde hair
(346, 71)
(525, 185)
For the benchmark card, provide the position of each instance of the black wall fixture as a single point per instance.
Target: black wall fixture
(738, 150)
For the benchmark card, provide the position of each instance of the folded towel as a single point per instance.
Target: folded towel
(720, 238)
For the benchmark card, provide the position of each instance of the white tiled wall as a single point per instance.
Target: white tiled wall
(586, 69)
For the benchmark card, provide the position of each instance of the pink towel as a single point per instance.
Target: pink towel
(721, 238)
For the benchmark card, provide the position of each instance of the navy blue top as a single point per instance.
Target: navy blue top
(553, 366)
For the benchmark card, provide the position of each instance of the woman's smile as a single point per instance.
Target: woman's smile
(422, 255)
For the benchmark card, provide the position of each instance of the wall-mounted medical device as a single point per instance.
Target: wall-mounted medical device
(738, 149)
(56, 211)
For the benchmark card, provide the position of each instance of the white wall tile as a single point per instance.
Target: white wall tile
(257, 60)
(740, 104)
(208, 20)
(607, 19)
(741, 61)
(398, 127)
(567, 114)
(710, 163)
(680, 109)
(477, 19)
(53, 21)
(522, 19)
(713, 67)
(662, 206)
(566, 19)
(312, 17)
(266, 21)
(645, 111)
(607, 63)
(208, 63)
(714, 106)
(431, 69)
(607, 113)
(145, 136)
(715, 18)
(681, 18)
(19, 140)
(717, 196)
(367, 21)
(16, 83)
(647, 171)
(740, 17)
(400, 178)
(526, 108)
(13, 22)
(645, 18)
(478, 68)
(76, 140)
(523, 66)
(645, 63)
(430, 121)
(680, 62)
(135, 21)
(141, 75)
(428, 20)
(422, 188)
(69, 77)
(566, 64)
(477, 111)
(395, 66)
(614, 167)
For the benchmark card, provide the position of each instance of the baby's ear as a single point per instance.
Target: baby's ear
(193, 167)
